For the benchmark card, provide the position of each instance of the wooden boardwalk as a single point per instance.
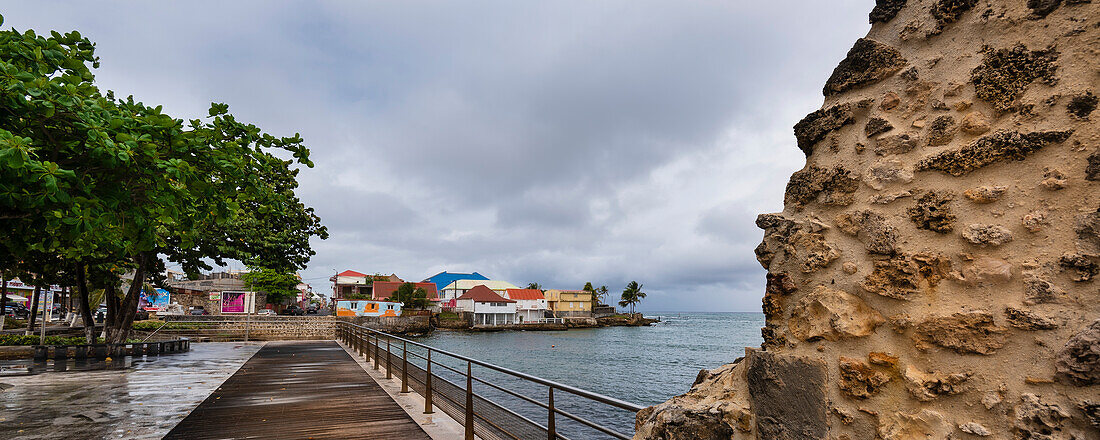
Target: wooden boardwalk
(301, 389)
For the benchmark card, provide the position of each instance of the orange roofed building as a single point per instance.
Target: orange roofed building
(530, 304)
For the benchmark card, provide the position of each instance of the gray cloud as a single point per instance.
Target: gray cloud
(557, 142)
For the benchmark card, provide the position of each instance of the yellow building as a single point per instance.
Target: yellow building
(565, 303)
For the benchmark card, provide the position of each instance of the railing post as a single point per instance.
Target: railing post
(404, 367)
(428, 385)
(366, 344)
(375, 351)
(389, 361)
(469, 401)
(551, 430)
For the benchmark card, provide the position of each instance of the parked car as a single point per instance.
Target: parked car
(312, 309)
(198, 310)
(266, 312)
(16, 310)
(293, 310)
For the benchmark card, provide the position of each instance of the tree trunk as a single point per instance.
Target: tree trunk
(127, 307)
(4, 303)
(85, 308)
(34, 310)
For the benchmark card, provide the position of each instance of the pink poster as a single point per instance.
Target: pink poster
(232, 302)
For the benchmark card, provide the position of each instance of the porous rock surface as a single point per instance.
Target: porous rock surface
(935, 272)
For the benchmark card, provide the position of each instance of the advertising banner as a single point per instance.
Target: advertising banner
(155, 301)
(215, 296)
(233, 302)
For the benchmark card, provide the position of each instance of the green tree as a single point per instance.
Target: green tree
(106, 187)
(278, 285)
(410, 296)
(632, 295)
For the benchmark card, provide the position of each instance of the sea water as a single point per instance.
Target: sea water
(642, 365)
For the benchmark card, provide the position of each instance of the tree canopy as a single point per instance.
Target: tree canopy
(279, 286)
(100, 190)
(632, 295)
(410, 296)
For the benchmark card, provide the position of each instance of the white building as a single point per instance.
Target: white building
(460, 287)
(488, 307)
(530, 304)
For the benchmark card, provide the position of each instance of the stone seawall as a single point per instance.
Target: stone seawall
(262, 328)
(934, 271)
(398, 325)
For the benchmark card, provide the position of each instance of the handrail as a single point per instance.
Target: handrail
(577, 391)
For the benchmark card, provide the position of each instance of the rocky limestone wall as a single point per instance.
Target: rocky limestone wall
(935, 272)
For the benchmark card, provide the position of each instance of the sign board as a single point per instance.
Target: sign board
(47, 306)
(215, 296)
(237, 302)
(155, 301)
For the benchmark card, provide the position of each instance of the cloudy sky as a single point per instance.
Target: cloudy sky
(532, 141)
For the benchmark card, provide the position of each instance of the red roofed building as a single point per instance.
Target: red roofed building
(385, 289)
(351, 284)
(530, 304)
(488, 307)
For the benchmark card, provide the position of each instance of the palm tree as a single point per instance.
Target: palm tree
(535, 286)
(632, 295)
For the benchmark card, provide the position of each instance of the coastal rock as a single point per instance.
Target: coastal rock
(878, 236)
(942, 130)
(927, 386)
(974, 123)
(827, 186)
(877, 126)
(1028, 320)
(1005, 73)
(965, 333)
(1081, 106)
(1002, 145)
(1087, 228)
(896, 144)
(859, 380)
(1036, 419)
(1092, 172)
(831, 314)
(717, 406)
(902, 276)
(779, 286)
(920, 425)
(985, 271)
(946, 12)
(974, 428)
(813, 128)
(868, 61)
(933, 212)
(890, 101)
(1092, 412)
(887, 172)
(985, 194)
(885, 10)
(1035, 220)
(987, 235)
(788, 396)
(1053, 179)
(787, 240)
(1039, 290)
(1080, 267)
(884, 199)
(1078, 363)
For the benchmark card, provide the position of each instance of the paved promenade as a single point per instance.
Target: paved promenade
(301, 389)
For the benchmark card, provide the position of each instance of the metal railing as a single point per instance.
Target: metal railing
(439, 383)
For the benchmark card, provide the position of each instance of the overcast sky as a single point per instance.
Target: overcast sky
(532, 141)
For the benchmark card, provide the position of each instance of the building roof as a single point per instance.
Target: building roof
(350, 273)
(385, 289)
(483, 294)
(491, 284)
(444, 278)
(525, 294)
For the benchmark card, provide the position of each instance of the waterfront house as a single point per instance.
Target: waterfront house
(488, 307)
(386, 289)
(367, 307)
(444, 278)
(459, 287)
(530, 304)
(358, 285)
(569, 303)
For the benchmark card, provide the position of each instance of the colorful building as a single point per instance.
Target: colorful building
(460, 287)
(444, 278)
(530, 304)
(367, 307)
(488, 307)
(350, 283)
(569, 303)
(386, 289)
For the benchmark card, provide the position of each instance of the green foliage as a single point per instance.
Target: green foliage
(535, 286)
(50, 340)
(92, 186)
(411, 297)
(279, 286)
(448, 316)
(632, 295)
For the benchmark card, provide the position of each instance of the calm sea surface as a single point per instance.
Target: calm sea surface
(643, 365)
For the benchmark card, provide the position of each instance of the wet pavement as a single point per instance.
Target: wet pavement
(127, 400)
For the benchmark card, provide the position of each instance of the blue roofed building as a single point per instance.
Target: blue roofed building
(444, 278)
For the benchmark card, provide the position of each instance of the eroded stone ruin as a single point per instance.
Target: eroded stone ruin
(934, 273)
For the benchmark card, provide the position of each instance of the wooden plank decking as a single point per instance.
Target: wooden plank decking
(306, 389)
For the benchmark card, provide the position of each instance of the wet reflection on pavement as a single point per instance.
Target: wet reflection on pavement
(122, 398)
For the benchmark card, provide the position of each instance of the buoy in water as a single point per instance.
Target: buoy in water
(552, 346)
